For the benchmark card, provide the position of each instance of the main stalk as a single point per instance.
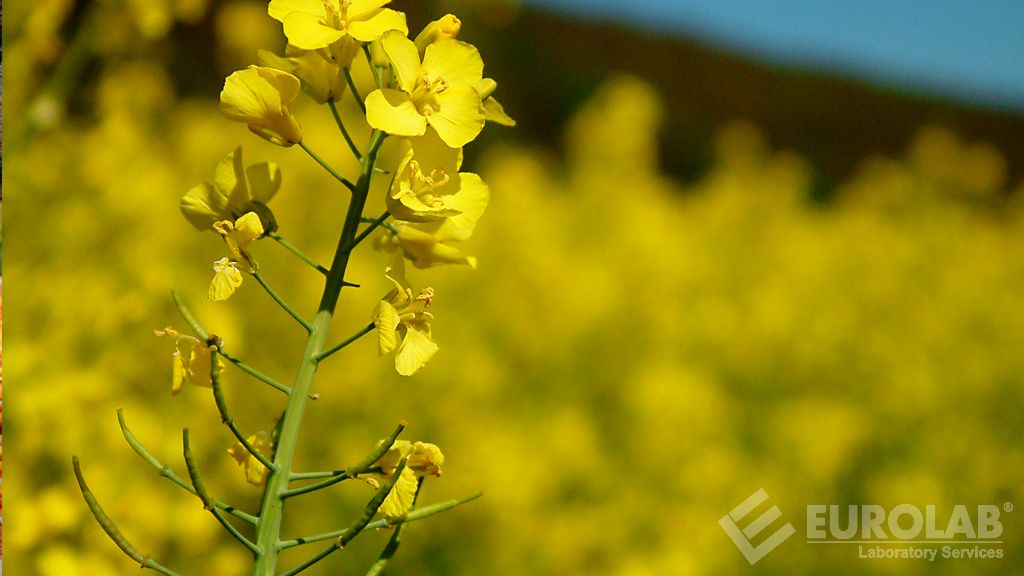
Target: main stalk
(268, 528)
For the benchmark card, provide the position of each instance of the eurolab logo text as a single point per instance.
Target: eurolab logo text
(905, 531)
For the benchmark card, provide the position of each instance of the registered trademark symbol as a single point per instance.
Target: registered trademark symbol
(1008, 506)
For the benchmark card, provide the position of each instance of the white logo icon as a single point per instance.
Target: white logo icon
(742, 536)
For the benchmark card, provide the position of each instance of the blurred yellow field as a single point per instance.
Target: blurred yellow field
(632, 356)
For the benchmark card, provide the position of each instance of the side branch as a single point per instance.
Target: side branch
(362, 332)
(205, 336)
(365, 465)
(111, 529)
(281, 302)
(227, 420)
(166, 471)
(345, 181)
(300, 254)
(197, 482)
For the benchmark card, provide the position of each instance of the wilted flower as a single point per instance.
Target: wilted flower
(403, 322)
(235, 190)
(192, 360)
(255, 471)
(260, 98)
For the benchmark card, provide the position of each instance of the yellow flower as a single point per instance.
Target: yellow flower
(239, 234)
(440, 92)
(255, 471)
(314, 24)
(260, 97)
(428, 185)
(321, 78)
(192, 360)
(421, 459)
(428, 244)
(234, 191)
(226, 279)
(403, 323)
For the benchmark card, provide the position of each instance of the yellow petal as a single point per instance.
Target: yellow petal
(404, 58)
(494, 112)
(248, 228)
(199, 366)
(399, 499)
(308, 32)
(470, 201)
(386, 319)
(177, 373)
(260, 97)
(368, 30)
(362, 9)
(393, 112)
(414, 352)
(458, 63)
(226, 279)
(459, 117)
(278, 9)
(229, 180)
(264, 181)
(202, 206)
(426, 459)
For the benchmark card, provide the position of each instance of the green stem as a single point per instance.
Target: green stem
(111, 529)
(341, 125)
(227, 420)
(326, 166)
(253, 372)
(280, 301)
(346, 342)
(203, 335)
(204, 496)
(357, 525)
(411, 516)
(355, 91)
(365, 465)
(166, 471)
(374, 224)
(294, 250)
(272, 509)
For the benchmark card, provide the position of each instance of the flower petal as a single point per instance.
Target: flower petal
(368, 30)
(202, 206)
(308, 32)
(404, 58)
(226, 279)
(278, 9)
(264, 181)
(386, 319)
(494, 112)
(414, 352)
(393, 112)
(460, 116)
(471, 201)
(399, 499)
(362, 9)
(458, 63)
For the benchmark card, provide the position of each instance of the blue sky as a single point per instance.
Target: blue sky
(964, 50)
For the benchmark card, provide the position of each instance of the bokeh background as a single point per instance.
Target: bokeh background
(700, 274)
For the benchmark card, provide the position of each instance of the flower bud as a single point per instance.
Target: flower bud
(446, 27)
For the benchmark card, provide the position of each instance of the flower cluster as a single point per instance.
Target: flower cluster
(430, 95)
(430, 92)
